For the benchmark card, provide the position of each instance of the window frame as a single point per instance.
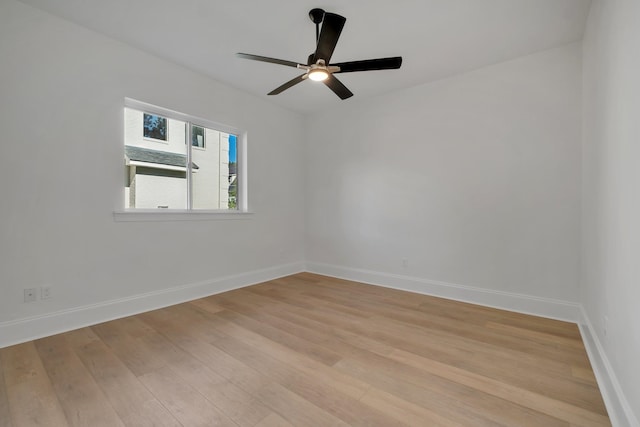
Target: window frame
(189, 213)
(150, 138)
(204, 137)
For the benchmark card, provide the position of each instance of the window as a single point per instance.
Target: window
(197, 136)
(155, 127)
(202, 175)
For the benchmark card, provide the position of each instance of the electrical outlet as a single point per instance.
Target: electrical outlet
(405, 263)
(46, 292)
(30, 294)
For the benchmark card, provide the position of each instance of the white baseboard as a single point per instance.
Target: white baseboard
(620, 412)
(618, 407)
(544, 307)
(27, 329)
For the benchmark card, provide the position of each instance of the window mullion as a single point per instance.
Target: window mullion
(187, 141)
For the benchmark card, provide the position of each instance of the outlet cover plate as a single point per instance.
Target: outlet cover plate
(30, 294)
(46, 292)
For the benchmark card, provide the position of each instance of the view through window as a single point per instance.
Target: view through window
(164, 171)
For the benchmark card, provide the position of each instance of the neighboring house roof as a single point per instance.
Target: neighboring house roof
(147, 155)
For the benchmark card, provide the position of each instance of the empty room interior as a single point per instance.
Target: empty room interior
(412, 213)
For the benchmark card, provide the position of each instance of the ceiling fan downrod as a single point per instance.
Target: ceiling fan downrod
(317, 15)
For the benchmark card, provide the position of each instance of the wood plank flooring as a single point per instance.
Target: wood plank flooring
(306, 350)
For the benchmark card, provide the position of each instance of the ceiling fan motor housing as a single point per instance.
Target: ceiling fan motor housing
(316, 15)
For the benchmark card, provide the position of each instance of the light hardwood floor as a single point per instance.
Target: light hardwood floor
(306, 350)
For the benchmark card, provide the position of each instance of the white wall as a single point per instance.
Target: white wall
(474, 180)
(611, 183)
(152, 191)
(62, 91)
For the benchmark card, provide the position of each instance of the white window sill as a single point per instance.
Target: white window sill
(142, 215)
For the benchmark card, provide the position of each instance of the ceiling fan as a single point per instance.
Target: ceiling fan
(318, 66)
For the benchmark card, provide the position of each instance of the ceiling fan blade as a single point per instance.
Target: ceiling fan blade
(267, 59)
(288, 84)
(370, 64)
(329, 34)
(337, 87)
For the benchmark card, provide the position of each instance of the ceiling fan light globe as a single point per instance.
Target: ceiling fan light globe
(318, 75)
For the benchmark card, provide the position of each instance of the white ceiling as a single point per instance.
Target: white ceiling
(436, 38)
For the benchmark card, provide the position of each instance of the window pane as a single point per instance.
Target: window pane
(197, 136)
(155, 173)
(155, 127)
(215, 175)
(233, 172)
